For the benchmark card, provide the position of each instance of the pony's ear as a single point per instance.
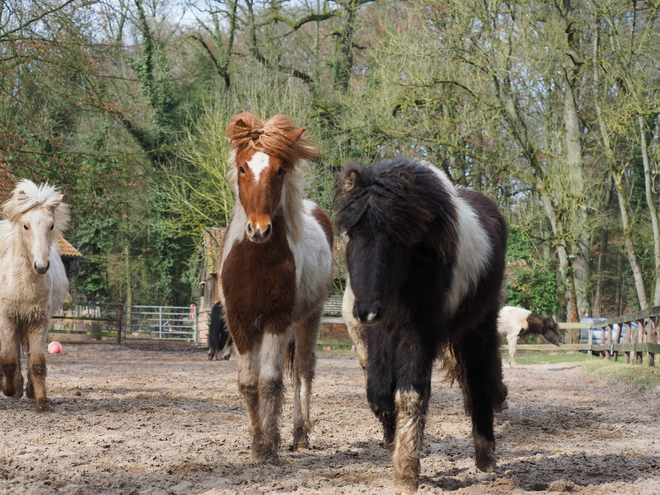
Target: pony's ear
(55, 203)
(243, 127)
(296, 134)
(405, 178)
(349, 178)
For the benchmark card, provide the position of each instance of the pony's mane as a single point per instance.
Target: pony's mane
(278, 137)
(405, 198)
(27, 195)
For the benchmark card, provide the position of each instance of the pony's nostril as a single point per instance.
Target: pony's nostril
(250, 229)
(268, 230)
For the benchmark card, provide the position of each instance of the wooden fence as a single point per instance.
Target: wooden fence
(641, 337)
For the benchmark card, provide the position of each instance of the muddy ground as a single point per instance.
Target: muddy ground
(132, 420)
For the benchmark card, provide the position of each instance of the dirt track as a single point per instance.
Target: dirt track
(135, 421)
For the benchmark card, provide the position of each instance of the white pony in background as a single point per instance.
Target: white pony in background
(33, 284)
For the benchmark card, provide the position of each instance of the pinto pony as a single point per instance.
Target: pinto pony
(276, 273)
(426, 264)
(516, 322)
(33, 284)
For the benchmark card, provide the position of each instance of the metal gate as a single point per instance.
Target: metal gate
(160, 322)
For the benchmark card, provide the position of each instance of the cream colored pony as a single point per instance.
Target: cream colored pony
(33, 284)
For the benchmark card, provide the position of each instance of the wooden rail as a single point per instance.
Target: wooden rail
(645, 339)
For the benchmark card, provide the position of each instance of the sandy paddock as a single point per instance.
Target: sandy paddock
(154, 420)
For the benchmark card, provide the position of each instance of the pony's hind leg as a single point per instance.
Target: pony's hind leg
(483, 389)
(304, 362)
(36, 371)
(271, 392)
(10, 361)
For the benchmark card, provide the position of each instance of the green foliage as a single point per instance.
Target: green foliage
(536, 290)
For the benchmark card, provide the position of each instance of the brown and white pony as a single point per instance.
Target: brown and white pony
(33, 284)
(275, 273)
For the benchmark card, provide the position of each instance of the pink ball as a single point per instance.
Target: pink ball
(55, 347)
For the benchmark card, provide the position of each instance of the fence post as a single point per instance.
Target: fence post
(628, 341)
(617, 337)
(193, 307)
(120, 317)
(640, 340)
(601, 354)
(653, 338)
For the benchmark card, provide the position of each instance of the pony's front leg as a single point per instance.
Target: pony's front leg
(10, 362)
(271, 392)
(36, 372)
(413, 388)
(304, 362)
(512, 341)
(248, 385)
(380, 385)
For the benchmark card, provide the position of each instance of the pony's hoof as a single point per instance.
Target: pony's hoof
(300, 440)
(485, 455)
(268, 456)
(13, 393)
(406, 489)
(43, 405)
(486, 462)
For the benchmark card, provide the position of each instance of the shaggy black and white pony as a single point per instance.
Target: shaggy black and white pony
(219, 335)
(426, 264)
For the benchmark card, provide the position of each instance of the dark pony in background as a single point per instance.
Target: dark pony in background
(426, 265)
(219, 335)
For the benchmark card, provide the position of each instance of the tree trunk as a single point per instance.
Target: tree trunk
(600, 285)
(652, 209)
(618, 185)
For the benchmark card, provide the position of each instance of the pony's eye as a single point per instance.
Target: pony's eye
(26, 227)
(280, 171)
(241, 170)
(51, 227)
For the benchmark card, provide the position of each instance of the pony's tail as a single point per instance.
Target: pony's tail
(289, 359)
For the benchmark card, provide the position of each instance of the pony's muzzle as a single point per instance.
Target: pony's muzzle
(257, 234)
(367, 313)
(41, 267)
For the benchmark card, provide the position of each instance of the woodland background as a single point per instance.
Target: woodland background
(549, 107)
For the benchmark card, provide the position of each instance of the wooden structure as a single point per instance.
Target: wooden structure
(68, 254)
(645, 339)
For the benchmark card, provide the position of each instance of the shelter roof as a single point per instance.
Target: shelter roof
(67, 250)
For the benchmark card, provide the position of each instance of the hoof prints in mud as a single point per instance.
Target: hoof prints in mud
(168, 422)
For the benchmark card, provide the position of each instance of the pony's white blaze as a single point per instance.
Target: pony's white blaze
(258, 163)
(474, 253)
(39, 235)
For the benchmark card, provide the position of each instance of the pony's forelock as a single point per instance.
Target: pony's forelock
(378, 191)
(278, 137)
(28, 195)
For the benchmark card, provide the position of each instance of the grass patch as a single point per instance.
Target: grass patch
(638, 376)
(527, 357)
